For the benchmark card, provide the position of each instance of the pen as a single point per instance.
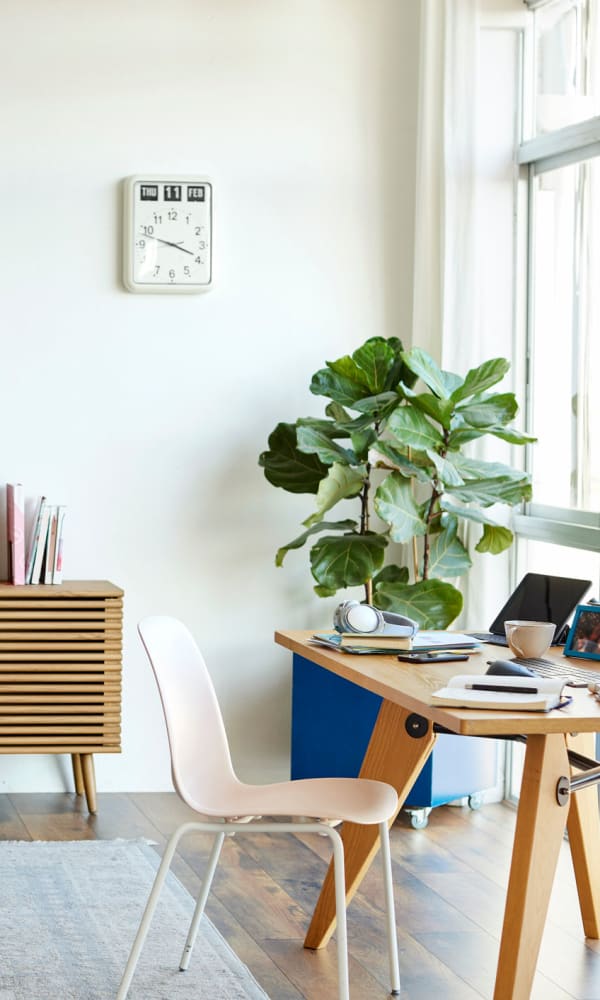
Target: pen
(503, 688)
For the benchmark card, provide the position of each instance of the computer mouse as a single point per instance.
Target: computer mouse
(509, 668)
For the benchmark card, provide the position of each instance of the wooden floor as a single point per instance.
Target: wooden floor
(450, 882)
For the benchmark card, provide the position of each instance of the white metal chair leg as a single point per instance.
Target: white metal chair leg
(340, 912)
(201, 903)
(384, 837)
(140, 937)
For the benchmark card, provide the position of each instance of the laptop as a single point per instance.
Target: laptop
(538, 598)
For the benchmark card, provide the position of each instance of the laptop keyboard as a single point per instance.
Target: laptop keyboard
(577, 676)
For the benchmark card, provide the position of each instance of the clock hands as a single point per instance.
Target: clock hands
(168, 243)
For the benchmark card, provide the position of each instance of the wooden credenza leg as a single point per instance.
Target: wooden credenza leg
(400, 744)
(89, 780)
(77, 773)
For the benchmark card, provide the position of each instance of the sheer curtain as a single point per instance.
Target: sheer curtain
(449, 315)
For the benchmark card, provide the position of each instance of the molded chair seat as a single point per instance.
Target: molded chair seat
(204, 778)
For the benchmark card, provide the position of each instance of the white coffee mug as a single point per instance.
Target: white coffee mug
(529, 639)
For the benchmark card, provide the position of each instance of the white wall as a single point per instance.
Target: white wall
(145, 414)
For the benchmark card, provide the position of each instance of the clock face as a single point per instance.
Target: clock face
(168, 234)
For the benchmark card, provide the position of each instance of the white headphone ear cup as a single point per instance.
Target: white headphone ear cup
(363, 618)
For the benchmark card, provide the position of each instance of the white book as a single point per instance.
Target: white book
(50, 545)
(504, 692)
(57, 570)
(44, 519)
(35, 538)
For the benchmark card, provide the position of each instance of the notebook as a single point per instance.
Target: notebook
(538, 598)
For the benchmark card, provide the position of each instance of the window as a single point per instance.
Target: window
(562, 165)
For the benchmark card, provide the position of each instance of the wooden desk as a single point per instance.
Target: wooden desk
(401, 742)
(60, 673)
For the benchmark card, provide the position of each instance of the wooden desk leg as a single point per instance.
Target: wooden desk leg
(540, 827)
(393, 756)
(583, 826)
(77, 773)
(89, 780)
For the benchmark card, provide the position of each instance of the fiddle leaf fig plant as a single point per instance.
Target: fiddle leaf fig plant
(392, 444)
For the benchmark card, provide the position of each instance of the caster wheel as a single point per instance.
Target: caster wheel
(419, 819)
(475, 801)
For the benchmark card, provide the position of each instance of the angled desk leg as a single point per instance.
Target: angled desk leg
(538, 836)
(399, 746)
(583, 826)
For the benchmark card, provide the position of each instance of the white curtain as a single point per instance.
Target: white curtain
(447, 312)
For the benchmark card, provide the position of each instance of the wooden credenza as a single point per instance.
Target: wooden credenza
(60, 673)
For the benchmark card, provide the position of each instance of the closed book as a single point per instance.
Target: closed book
(36, 569)
(15, 520)
(505, 693)
(57, 573)
(50, 545)
(392, 642)
(35, 537)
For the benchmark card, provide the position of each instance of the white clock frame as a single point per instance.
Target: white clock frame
(171, 191)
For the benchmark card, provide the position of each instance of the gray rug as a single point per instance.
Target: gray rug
(68, 916)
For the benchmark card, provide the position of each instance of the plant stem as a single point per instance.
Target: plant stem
(364, 526)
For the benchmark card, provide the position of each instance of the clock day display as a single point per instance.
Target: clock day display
(167, 234)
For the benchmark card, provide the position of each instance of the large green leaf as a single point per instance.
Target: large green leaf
(440, 409)
(447, 555)
(481, 378)
(463, 434)
(298, 542)
(511, 435)
(446, 470)
(489, 410)
(396, 505)
(432, 603)
(311, 440)
(501, 489)
(348, 560)
(289, 468)
(405, 466)
(495, 539)
(342, 481)
(390, 574)
(330, 428)
(378, 407)
(423, 365)
(375, 359)
(478, 468)
(413, 429)
(469, 513)
(340, 388)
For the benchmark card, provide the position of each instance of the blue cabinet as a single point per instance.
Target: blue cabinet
(332, 720)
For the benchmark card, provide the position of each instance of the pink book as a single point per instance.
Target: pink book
(15, 518)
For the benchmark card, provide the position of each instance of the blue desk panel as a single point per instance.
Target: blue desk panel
(332, 720)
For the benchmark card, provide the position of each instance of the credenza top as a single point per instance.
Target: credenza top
(70, 588)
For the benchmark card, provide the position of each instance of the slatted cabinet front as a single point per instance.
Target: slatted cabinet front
(60, 668)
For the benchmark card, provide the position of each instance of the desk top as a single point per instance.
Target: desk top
(411, 685)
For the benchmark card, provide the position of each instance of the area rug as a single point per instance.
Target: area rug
(68, 916)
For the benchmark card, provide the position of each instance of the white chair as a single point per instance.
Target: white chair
(203, 776)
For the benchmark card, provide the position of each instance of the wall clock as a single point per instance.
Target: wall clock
(167, 234)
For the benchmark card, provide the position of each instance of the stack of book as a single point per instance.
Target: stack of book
(41, 560)
(423, 641)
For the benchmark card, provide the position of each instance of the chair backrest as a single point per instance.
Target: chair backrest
(200, 758)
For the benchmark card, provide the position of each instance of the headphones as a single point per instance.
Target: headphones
(351, 616)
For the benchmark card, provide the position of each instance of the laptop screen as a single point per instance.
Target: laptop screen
(542, 598)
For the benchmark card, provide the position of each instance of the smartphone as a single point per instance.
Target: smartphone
(431, 657)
